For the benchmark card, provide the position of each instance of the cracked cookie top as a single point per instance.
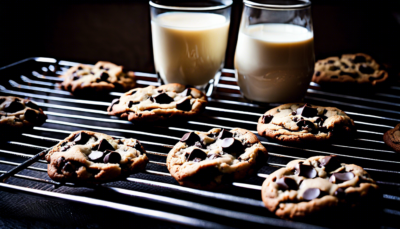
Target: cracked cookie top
(102, 77)
(210, 160)
(18, 115)
(316, 185)
(92, 157)
(159, 103)
(358, 68)
(296, 122)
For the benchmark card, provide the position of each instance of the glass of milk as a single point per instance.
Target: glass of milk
(189, 40)
(274, 58)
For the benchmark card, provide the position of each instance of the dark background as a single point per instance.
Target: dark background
(119, 31)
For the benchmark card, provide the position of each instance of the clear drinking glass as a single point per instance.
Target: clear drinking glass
(189, 40)
(274, 59)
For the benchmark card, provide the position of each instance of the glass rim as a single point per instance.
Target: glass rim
(225, 4)
(302, 4)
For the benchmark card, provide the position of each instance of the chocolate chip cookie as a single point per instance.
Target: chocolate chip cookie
(350, 68)
(19, 115)
(84, 80)
(214, 159)
(90, 157)
(159, 103)
(392, 138)
(298, 122)
(316, 186)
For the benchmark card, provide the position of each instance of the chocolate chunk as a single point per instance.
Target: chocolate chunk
(81, 138)
(68, 167)
(338, 178)
(80, 68)
(101, 67)
(213, 156)
(184, 104)
(366, 69)
(104, 76)
(305, 170)
(359, 59)
(331, 61)
(330, 163)
(317, 73)
(163, 98)
(311, 194)
(31, 105)
(131, 103)
(212, 135)
(30, 115)
(345, 65)
(60, 162)
(307, 111)
(333, 68)
(115, 101)
(286, 183)
(137, 146)
(196, 153)
(334, 77)
(294, 113)
(320, 120)
(224, 134)
(339, 193)
(267, 118)
(96, 156)
(13, 107)
(190, 138)
(232, 146)
(105, 145)
(353, 75)
(112, 157)
(306, 125)
(186, 92)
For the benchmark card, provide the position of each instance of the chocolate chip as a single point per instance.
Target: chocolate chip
(138, 146)
(317, 73)
(334, 77)
(196, 153)
(353, 75)
(68, 167)
(190, 138)
(306, 125)
(305, 171)
(80, 68)
(184, 104)
(112, 157)
(96, 156)
(31, 105)
(104, 76)
(186, 92)
(345, 65)
(13, 107)
(338, 178)
(366, 69)
(163, 98)
(359, 59)
(320, 120)
(267, 118)
(333, 68)
(60, 162)
(286, 183)
(330, 163)
(311, 194)
(224, 134)
(131, 103)
(307, 111)
(101, 67)
(331, 61)
(30, 115)
(105, 145)
(294, 113)
(213, 156)
(81, 138)
(339, 193)
(232, 146)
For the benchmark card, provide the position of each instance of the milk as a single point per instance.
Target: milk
(274, 62)
(189, 48)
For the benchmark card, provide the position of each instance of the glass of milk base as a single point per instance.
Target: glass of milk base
(189, 41)
(274, 58)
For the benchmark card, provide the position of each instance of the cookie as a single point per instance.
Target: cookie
(83, 80)
(19, 115)
(316, 186)
(214, 159)
(350, 68)
(159, 103)
(298, 122)
(392, 138)
(90, 157)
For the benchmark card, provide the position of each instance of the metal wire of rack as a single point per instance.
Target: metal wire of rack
(36, 78)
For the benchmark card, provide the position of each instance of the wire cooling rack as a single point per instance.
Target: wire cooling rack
(154, 193)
